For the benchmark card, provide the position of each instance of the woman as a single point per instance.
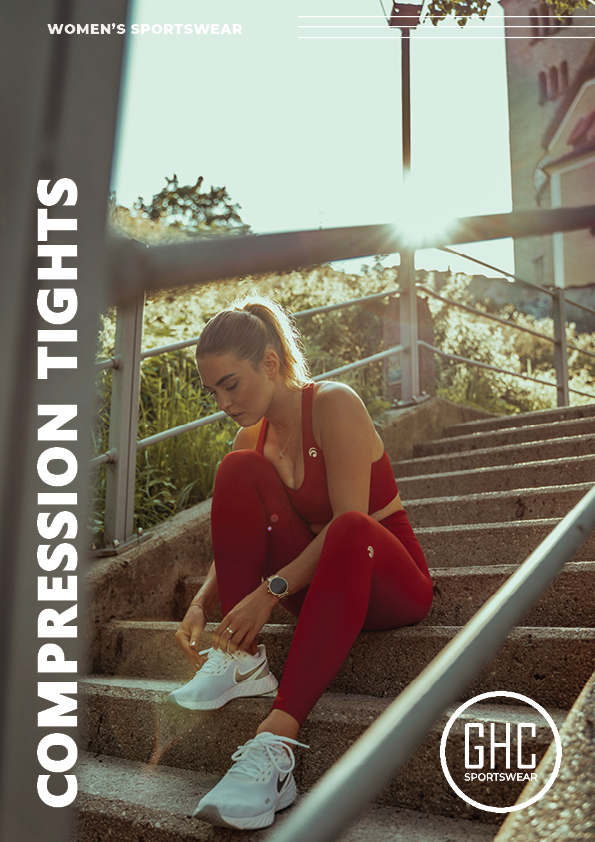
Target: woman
(305, 512)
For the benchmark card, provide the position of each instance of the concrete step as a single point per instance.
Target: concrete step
(468, 545)
(550, 665)
(538, 474)
(497, 506)
(510, 454)
(459, 592)
(546, 416)
(500, 438)
(127, 718)
(123, 799)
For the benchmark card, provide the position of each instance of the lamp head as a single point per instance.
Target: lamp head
(405, 15)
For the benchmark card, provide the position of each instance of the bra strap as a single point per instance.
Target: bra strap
(307, 395)
(262, 436)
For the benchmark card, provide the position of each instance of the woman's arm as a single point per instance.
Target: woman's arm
(193, 625)
(207, 599)
(346, 436)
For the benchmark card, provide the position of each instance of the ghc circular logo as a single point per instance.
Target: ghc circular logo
(494, 752)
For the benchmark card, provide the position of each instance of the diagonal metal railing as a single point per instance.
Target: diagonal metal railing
(344, 791)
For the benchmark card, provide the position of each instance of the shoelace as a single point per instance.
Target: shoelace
(250, 758)
(215, 659)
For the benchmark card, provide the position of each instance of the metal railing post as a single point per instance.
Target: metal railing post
(560, 348)
(123, 432)
(408, 332)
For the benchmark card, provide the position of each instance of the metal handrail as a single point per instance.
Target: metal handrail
(181, 428)
(219, 416)
(164, 349)
(489, 316)
(366, 767)
(313, 311)
(496, 269)
(580, 350)
(366, 361)
(104, 459)
(116, 361)
(112, 362)
(133, 268)
(458, 359)
(538, 287)
(580, 306)
(196, 262)
(185, 343)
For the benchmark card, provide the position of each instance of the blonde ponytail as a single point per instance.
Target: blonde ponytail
(250, 325)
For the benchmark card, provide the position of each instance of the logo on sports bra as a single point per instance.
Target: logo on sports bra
(312, 452)
(371, 552)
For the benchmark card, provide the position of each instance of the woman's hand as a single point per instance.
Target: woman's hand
(245, 620)
(189, 633)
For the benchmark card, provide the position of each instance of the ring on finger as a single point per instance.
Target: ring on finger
(230, 631)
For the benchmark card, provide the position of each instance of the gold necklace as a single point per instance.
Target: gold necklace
(282, 452)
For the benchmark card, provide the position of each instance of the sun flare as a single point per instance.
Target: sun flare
(422, 216)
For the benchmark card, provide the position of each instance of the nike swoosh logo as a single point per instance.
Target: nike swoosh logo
(244, 676)
(281, 781)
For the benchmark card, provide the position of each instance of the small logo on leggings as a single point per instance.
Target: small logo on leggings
(312, 452)
(371, 552)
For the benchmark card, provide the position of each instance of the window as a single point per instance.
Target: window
(546, 22)
(564, 75)
(534, 18)
(543, 21)
(542, 87)
(553, 88)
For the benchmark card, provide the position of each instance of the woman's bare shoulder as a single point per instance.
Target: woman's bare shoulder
(336, 404)
(247, 437)
(329, 395)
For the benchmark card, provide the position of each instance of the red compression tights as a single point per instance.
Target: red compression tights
(370, 575)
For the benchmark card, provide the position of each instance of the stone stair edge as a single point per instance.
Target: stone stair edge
(137, 724)
(505, 448)
(416, 630)
(486, 569)
(459, 592)
(471, 527)
(551, 463)
(472, 438)
(403, 427)
(502, 421)
(165, 820)
(330, 704)
(549, 664)
(503, 495)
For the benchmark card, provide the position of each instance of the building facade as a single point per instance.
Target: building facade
(551, 100)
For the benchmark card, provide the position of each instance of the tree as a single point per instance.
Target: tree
(463, 9)
(179, 213)
(191, 210)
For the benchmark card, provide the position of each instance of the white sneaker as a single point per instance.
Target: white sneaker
(258, 784)
(225, 677)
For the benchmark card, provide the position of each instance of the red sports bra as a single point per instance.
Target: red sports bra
(311, 499)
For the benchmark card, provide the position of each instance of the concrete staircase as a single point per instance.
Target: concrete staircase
(481, 498)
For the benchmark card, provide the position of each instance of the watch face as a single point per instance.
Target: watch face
(278, 585)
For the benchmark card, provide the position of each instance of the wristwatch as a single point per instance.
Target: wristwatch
(278, 586)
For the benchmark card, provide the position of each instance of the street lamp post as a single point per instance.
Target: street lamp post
(405, 16)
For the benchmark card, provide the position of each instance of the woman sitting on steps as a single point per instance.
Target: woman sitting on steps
(305, 512)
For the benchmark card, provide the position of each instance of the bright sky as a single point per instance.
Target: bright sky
(306, 131)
